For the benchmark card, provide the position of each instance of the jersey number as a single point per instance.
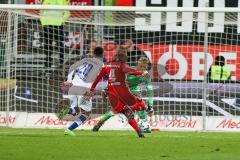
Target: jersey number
(83, 71)
(112, 75)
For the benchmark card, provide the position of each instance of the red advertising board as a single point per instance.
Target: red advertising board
(74, 14)
(185, 61)
(124, 2)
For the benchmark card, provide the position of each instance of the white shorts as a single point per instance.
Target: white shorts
(80, 102)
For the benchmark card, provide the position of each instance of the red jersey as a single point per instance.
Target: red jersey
(118, 92)
(117, 86)
(116, 74)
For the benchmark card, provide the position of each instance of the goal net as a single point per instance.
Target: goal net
(181, 46)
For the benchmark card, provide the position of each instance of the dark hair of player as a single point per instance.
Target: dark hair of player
(120, 56)
(98, 51)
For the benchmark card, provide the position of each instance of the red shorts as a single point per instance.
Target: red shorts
(120, 97)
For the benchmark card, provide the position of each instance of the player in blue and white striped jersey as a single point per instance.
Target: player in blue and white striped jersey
(81, 75)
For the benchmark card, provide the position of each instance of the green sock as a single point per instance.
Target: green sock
(142, 114)
(105, 117)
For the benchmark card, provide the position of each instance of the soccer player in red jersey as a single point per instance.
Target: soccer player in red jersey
(120, 97)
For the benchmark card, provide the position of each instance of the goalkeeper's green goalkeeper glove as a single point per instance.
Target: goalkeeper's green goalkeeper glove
(149, 109)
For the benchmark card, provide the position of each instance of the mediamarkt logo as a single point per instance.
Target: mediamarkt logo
(174, 124)
(229, 123)
(48, 120)
(3, 119)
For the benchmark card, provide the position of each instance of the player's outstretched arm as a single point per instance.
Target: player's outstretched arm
(89, 94)
(126, 69)
(99, 77)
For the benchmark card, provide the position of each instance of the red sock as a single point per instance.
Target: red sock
(134, 124)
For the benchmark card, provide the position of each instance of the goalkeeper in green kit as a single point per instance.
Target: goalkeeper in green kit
(134, 83)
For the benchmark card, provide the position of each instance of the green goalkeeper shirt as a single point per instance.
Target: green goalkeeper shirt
(134, 83)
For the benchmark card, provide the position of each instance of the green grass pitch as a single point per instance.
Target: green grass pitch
(51, 144)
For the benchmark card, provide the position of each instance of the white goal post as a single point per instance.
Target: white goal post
(182, 44)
